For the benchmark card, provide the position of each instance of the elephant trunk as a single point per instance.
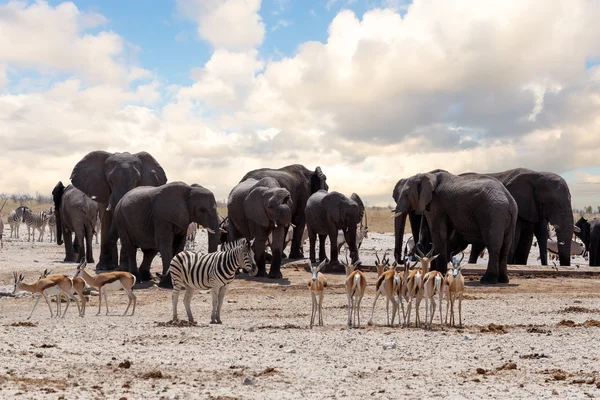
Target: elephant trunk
(59, 239)
(399, 223)
(564, 235)
(350, 236)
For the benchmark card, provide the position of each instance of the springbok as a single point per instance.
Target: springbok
(455, 286)
(107, 281)
(45, 288)
(317, 285)
(356, 283)
(77, 287)
(390, 283)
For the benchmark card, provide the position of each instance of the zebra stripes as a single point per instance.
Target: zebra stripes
(14, 220)
(196, 271)
(52, 226)
(35, 221)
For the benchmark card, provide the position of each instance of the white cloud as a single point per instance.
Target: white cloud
(282, 23)
(53, 39)
(465, 86)
(231, 24)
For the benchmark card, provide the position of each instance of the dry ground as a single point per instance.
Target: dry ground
(530, 352)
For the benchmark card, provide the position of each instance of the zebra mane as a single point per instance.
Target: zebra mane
(231, 245)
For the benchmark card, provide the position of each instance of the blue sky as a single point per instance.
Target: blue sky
(168, 41)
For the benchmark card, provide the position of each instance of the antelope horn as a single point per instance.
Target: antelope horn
(377, 257)
(463, 256)
(419, 251)
(430, 252)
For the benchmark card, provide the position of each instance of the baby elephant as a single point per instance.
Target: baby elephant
(326, 212)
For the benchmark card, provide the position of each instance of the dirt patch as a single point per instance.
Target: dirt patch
(577, 309)
(24, 323)
(154, 374)
(176, 324)
(493, 328)
(569, 323)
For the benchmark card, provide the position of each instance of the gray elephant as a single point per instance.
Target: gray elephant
(542, 198)
(478, 208)
(75, 213)
(257, 208)
(106, 177)
(326, 213)
(589, 233)
(156, 219)
(301, 183)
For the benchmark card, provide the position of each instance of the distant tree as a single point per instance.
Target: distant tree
(588, 209)
(598, 208)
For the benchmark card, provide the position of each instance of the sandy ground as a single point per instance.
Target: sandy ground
(265, 341)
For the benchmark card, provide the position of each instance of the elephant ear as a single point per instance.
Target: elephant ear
(331, 203)
(425, 186)
(152, 173)
(397, 189)
(254, 207)
(318, 181)
(361, 207)
(89, 176)
(525, 196)
(57, 194)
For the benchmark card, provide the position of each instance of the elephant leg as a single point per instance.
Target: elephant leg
(312, 240)
(69, 253)
(493, 241)
(296, 249)
(540, 230)
(259, 256)
(89, 234)
(399, 223)
(523, 239)
(149, 255)
(322, 255)
(439, 238)
(594, 247)
(476, 249)
(108, 243)
(276, 249)
(504, 253)
(333, 251)
(79, 235)
(165, 239)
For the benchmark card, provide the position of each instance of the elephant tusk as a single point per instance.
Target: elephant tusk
(275, 224)
(109, 207)
(210, 231)
(93, 197)
(576, 229)
(222, 230)
(397, 214)
(292, 225)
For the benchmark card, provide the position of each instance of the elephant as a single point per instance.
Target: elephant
(326, 212)
(257, 208)
(106, 177)
(478, 208)
(541, 197)
(301, 183)
(156, 219)
(75, 213)
(589, 233)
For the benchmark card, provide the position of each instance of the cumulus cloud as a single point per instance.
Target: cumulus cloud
(231, 24)
(48, 39)
(470, 86)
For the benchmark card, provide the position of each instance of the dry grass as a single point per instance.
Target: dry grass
(36, 206)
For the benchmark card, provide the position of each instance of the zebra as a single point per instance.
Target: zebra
(35, 221)
(14, 220)
(52, 225)
(196, 271)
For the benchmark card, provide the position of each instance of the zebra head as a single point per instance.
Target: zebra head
(249, 263)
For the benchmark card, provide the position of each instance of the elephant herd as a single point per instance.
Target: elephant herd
(498, 211)
(501, 212)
